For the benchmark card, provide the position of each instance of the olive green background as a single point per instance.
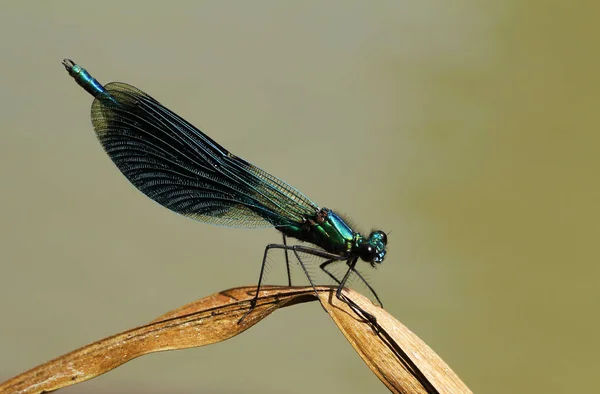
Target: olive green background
(469, 129)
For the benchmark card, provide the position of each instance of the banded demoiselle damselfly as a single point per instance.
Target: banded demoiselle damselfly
(184, 170)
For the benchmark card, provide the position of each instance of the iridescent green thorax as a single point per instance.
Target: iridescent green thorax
(330, 232)
(325, 229)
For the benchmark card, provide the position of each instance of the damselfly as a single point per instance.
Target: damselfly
(181, 168)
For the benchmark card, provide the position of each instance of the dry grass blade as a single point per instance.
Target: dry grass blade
(206, 321)
(400, 359)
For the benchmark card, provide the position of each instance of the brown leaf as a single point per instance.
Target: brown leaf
(402, 361)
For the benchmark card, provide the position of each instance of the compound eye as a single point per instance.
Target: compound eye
(380, 235)
(383, 237)
(367, 253)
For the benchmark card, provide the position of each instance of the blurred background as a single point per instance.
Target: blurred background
(467, 129)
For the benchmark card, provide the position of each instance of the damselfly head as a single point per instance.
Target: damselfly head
(372, 248)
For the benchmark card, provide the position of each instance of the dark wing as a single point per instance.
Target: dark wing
(183, 169)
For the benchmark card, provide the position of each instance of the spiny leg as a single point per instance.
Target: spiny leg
(358, 310)
(287, 262)
(295, 249)
(331, 275)
(262, 271)
(324, 268)
(308, 277)
(368, 285)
